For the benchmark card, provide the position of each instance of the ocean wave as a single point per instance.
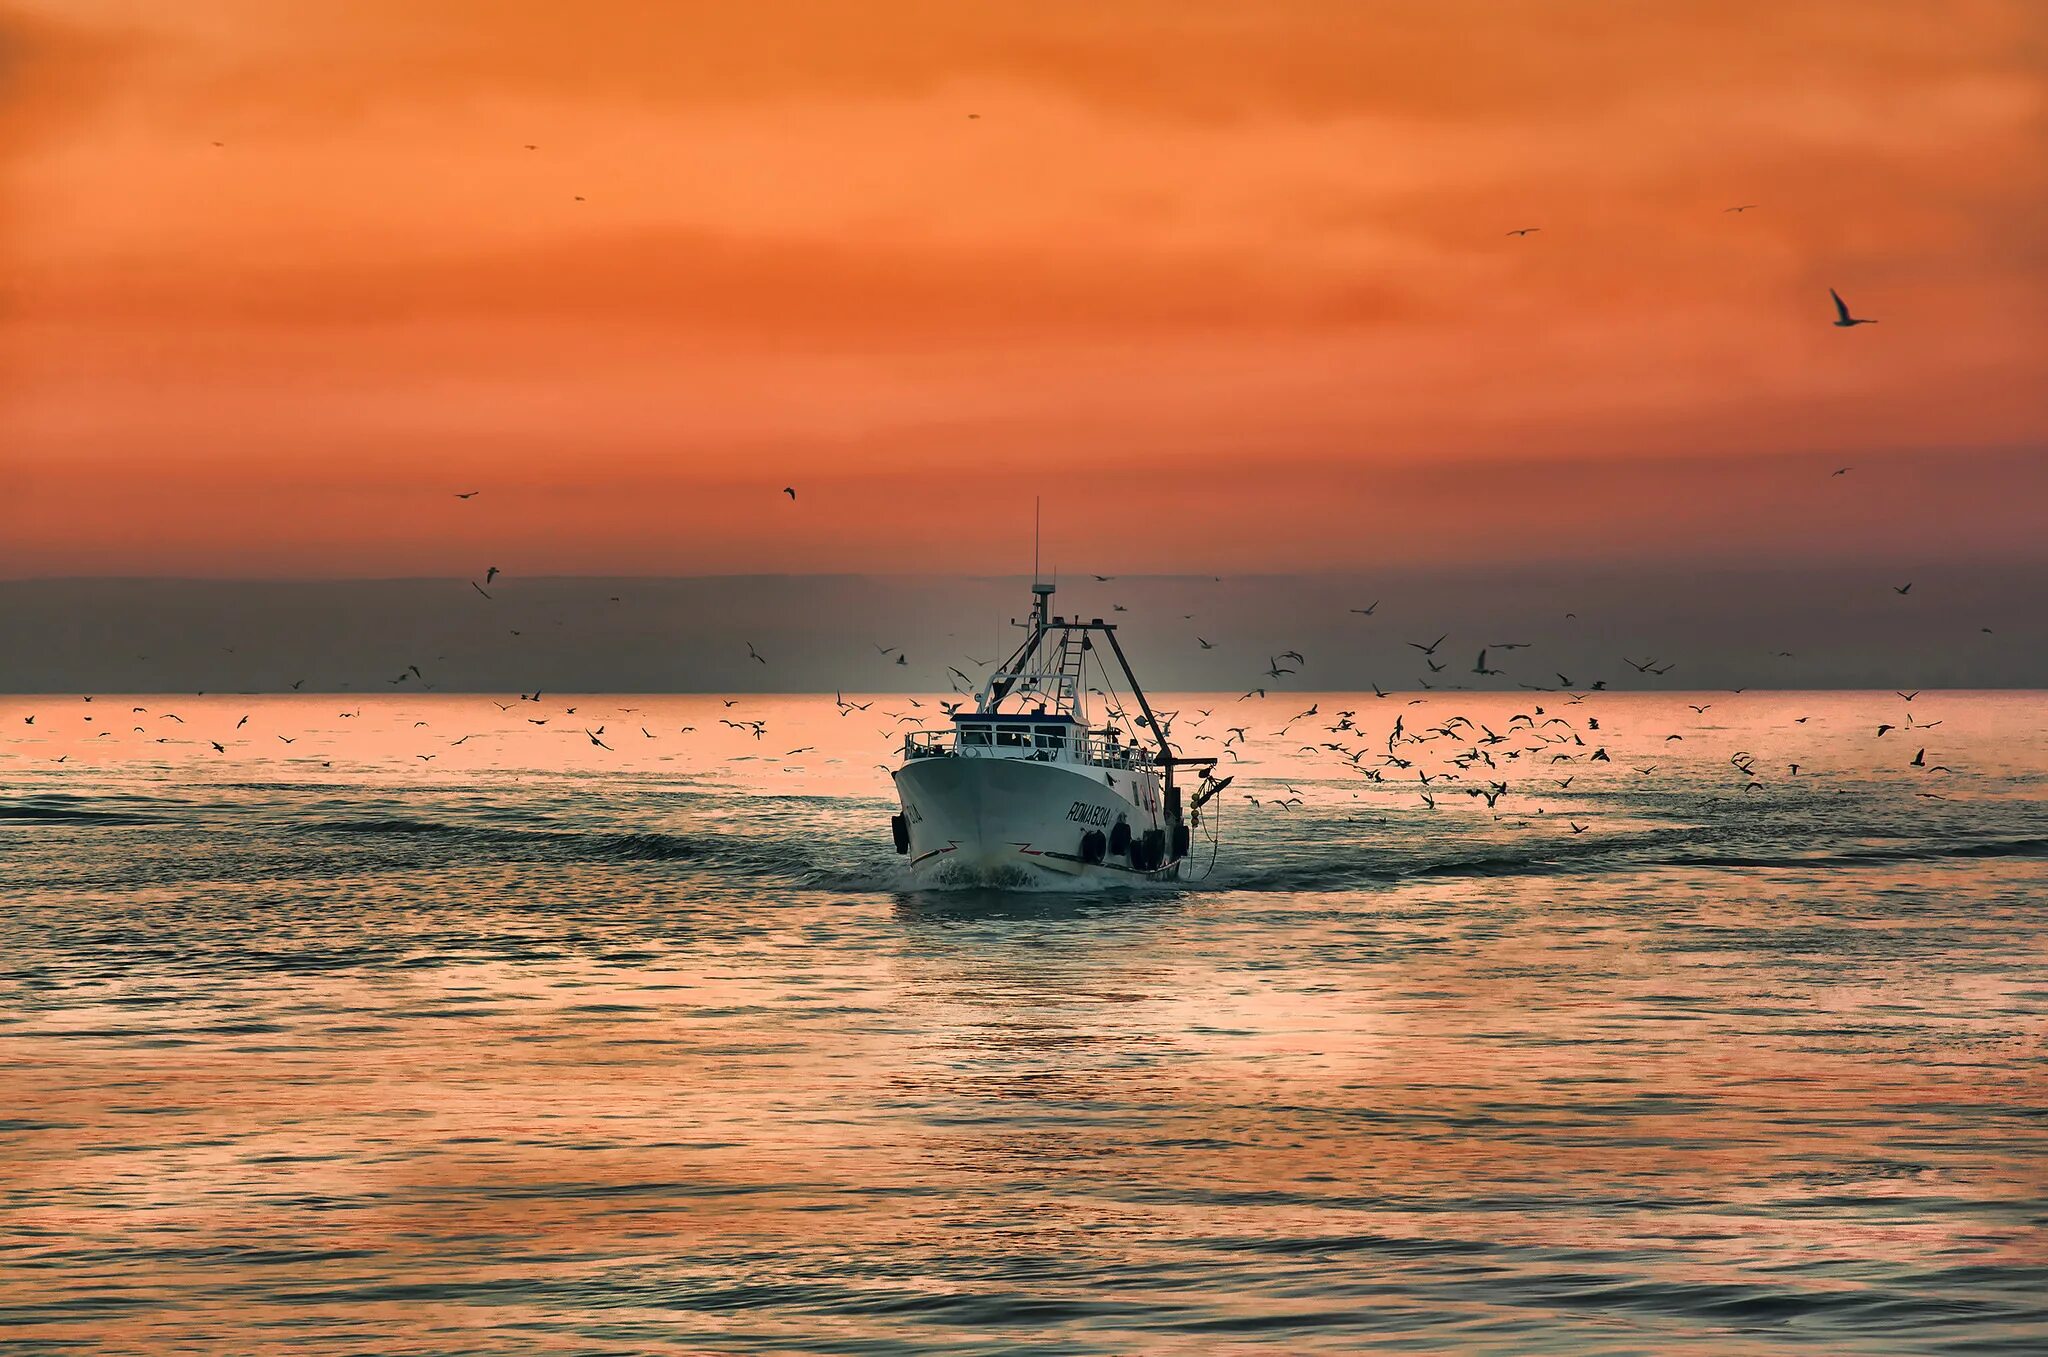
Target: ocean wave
(812, 852)
(1627, 854)
(40, 812)
(1852, 857)
(636, 846)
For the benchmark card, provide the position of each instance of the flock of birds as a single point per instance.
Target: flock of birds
(1532, 751)
(1536, 751)
(1440, 755)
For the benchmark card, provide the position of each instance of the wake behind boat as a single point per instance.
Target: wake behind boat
(1026, 791)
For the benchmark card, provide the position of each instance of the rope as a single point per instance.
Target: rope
(1215, 843)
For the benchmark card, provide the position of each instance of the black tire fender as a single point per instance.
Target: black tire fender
(1155, 849)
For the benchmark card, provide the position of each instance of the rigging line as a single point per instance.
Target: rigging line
(1215, 844)
(1114, 698)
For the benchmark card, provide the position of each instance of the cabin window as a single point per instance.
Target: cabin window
(974, 735)
(1016, 736)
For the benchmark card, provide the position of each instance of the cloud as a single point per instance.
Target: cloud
(1441, 58)
(1228, 237)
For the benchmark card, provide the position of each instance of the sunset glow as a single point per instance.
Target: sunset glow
(281, 279)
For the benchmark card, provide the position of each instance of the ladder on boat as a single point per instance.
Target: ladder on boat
(1073, 660)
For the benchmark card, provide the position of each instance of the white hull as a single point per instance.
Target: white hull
(1019, 822)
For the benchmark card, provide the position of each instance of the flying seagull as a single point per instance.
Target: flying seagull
(1842, 317)
(1525, 230)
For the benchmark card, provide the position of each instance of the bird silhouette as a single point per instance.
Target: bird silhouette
(1843, 320)
(790, 490)
(1525, 231)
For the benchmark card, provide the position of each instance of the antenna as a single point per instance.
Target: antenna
(1041, 592)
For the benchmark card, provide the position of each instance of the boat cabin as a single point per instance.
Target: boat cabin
(1048, 737)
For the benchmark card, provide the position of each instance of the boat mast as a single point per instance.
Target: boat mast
(1168, 760)
(1166, 755)
(1041, 592)
(1005, 678)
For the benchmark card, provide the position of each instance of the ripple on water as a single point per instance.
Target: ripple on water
(665, 1058)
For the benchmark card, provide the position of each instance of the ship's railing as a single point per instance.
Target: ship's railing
(1059, 744)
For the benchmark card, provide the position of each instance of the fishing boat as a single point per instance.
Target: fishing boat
(1026, 791)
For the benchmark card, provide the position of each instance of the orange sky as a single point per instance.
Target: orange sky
(1241, 264)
